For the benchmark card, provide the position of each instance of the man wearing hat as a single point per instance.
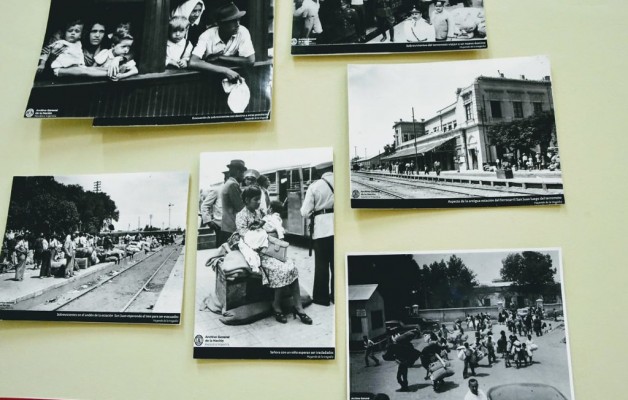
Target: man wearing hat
(318, 205)
(225, 46)
(231, 196)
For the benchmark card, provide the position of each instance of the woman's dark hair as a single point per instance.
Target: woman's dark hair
(263, 179)
(249, 192)
(277, 206)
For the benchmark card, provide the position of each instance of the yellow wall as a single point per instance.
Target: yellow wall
(586, 41)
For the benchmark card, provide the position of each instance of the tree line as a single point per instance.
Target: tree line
(43, 205)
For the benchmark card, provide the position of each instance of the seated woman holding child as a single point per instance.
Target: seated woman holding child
(282, 276)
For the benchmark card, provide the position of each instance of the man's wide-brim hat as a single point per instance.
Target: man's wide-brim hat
(237, 164)
(228, 13)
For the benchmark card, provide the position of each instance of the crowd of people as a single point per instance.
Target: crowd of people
(531, 161)
(472, 340)
(93, 49)
(56, 255)
(244, 218)
(358, 21)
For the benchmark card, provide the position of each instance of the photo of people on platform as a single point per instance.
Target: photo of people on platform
(387, 26)
(95, 248)
(265, 255)
(155, 62)
(454, 134)
(454, 325)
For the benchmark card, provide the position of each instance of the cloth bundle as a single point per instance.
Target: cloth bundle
(239, 94)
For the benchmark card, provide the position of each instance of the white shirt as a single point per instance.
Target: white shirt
(471, 396)
(357, 2)
(319, 197)
(178, 51)
(71, 56)
(210, 43)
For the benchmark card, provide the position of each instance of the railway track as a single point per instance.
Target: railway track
(124, 289)
(432, 190)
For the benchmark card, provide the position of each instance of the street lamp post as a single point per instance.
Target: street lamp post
(170, 205)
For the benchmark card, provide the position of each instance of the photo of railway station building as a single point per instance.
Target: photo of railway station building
(477, 130)
(457, 135)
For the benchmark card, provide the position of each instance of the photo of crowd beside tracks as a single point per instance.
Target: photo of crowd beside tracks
(63, 250)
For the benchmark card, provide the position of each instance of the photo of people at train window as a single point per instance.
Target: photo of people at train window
(331, 23)
(102, 43)
(459, 134)
(265, 255)
(94, 244)
(458, 325)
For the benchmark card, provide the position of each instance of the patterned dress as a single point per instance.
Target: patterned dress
(275, 273)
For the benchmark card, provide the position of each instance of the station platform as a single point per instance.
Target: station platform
(170, 299)
(12, 291)
(538, 179)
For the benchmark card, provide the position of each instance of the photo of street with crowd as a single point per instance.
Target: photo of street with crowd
(387, 26)
(265, 255)
(478, 133)
(470, 325)
(127, 62)
(95, 248)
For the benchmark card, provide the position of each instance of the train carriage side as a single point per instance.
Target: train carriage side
(289, 185)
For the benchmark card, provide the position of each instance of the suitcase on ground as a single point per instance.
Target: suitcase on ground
(82, 263)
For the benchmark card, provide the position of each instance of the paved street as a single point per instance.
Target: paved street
(267, 332)
(550, 367)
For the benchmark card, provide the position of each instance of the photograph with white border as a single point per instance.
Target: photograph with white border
(478, 133)
(155, 62)
(95, 248)
(465, 324)
(265, 255)
(387, 26)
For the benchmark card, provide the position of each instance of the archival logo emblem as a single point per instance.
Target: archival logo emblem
(29, 113)
(355, 194)
(198, 340)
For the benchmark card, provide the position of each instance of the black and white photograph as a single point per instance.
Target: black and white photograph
(476, 133)
(265, 255)
(469, 324)
(95, 248)
(387, 26)
(155, 62)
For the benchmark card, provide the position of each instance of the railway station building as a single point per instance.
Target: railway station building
(457, 134)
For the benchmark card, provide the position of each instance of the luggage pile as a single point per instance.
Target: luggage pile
(438, 372)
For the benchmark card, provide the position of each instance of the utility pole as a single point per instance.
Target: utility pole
(150, 219)
(97, 186)
(416, 155)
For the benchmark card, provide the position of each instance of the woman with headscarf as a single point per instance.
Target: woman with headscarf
(192, 10)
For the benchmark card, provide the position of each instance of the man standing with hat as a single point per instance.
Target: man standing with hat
(231, 196)
(318, 205)
(225, 46)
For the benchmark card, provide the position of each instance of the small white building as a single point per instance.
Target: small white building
(366, 312)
